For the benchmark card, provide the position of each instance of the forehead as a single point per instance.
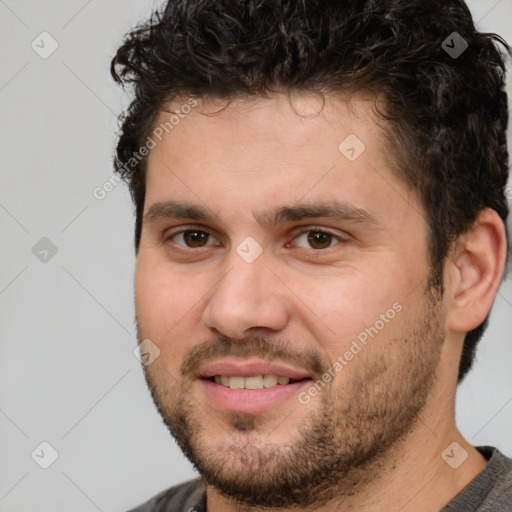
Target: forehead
(281, 120)
(251, 152)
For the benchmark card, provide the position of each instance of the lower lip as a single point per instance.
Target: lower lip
(250, 401)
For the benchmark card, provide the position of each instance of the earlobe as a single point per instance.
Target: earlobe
(478, 265)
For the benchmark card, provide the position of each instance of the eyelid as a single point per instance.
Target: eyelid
(306, 229)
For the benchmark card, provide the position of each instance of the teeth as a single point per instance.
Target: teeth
(269, 381)
(236, 382)
(252, 382)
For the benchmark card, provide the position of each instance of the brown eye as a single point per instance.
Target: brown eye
(316, 239)
(191, 238)
(319, 239)
(195, 238)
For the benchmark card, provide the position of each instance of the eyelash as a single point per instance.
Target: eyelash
(328, 250)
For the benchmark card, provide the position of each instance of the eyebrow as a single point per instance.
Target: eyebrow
(336, 210)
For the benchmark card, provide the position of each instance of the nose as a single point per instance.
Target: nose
(248, 298)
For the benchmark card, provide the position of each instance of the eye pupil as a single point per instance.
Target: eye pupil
(319, 240)
(195, 238)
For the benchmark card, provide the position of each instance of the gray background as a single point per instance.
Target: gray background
(68, 375)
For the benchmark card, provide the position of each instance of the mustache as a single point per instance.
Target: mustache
(260, 347)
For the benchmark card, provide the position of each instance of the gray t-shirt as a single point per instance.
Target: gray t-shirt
(489, 491)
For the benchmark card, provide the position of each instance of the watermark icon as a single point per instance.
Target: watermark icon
(44, 45)
(249, 250)
(454, 455)
(44, 250)
(147, 352)
(508, 193)
(152, 140)
(44, 455)
(352, 147)
(454, 45)
(357, 345)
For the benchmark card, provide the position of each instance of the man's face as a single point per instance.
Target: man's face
(245, 274)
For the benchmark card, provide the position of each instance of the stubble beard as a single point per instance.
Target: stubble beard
(336, 451)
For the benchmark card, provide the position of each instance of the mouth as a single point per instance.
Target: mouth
(252, 387)
(253, 381)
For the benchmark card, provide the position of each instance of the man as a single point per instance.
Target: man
(320, 229)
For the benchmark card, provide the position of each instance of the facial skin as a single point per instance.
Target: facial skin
(372, 436)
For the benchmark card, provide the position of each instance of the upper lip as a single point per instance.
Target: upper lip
(247, 368)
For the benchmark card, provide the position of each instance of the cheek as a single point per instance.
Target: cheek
(167, 312)
(359, 306)
(164, 300)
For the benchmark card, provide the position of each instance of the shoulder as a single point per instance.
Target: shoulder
(500, 496)
(489, 491)
(186, 497)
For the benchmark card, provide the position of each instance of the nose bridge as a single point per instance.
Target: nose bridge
(248, 296)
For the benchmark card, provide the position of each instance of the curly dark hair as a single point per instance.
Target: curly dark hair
(447, 114)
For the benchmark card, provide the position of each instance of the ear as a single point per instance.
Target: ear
(476, 267)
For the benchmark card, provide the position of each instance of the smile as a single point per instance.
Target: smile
(252, 381)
